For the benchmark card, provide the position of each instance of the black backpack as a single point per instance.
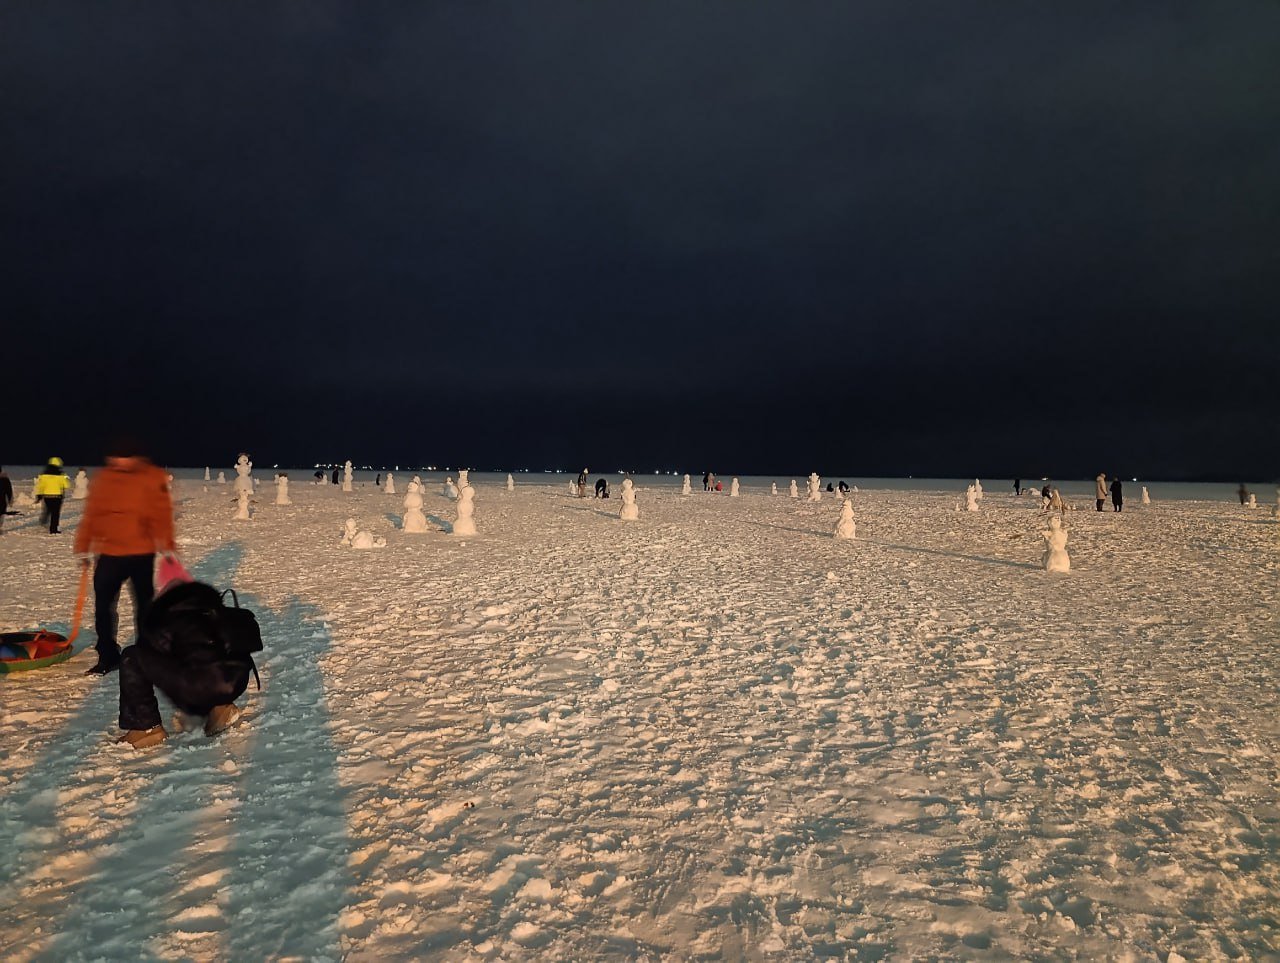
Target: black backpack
(192, 623)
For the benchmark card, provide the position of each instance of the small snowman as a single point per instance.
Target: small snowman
(415, 522)
(244, 478)
(630, 510)
(242, 505)
(686, 488)
(450, 490)
(970, 499)
(222, 478)
(352, 537)
(81, 491)
(1253, 500)
(846, 527)
(733, 488)
(389, 486)
(282, 490)
(573, 487)
(511, 483)
(773, 488)
(795, 489)
(206, 473)
(465, 524)
(1056, 558)
(347, 476)
(1146, 496)
(815, 487)
(977, 487)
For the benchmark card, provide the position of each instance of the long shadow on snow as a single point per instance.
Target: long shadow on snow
(90, 910)
(287, 876)
(959, 555)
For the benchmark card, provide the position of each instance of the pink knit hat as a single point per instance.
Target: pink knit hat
(171, 573)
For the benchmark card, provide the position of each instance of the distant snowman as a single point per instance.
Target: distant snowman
(81, 491)
(977, 487)
(773, 488)
(242, 505)
(815, 487)
(352, 537)
(795, 489)
(1056, 558)
(222, 478)
(1146, 496)
(389, 486)
(206, 473)
(465, 524)
(244, 477)
(846, 527)
(415, 522)
(686, 488)
(282, 490)
(733, 488)
(347, 477)
(970, 499)
(573, 487)
(511, 483)
(630, 510)
(450, 490)
(1253, 500)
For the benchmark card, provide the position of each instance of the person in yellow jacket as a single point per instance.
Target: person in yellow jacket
(51, 486)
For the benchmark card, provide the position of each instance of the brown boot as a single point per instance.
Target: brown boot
(145, 738)
(221, 718)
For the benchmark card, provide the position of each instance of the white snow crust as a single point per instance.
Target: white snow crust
(721, 734)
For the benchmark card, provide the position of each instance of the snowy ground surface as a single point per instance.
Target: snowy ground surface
(713, 733)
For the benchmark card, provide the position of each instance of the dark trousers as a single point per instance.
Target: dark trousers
(1117, 503)
(109, 576)
(53, 508)
(195, 688)
(1101, 502)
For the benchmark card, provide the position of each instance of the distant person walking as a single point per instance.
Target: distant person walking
(1117, 495)
(1100, 490)
(128, 518)
(706, 481)
(335, 475)
(6, 497)
(1243, 493)
(1017, 486)
(51, 486)
(583, 478)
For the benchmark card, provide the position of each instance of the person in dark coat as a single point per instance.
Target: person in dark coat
(602, 488)
(335, 476)
(706, 481)
(181, 652)
(1117, 495)
(1017, 486)
(6, 497)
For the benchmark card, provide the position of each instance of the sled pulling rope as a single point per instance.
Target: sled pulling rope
(20, 651)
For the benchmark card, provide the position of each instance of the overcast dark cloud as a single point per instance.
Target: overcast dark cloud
(866, 238)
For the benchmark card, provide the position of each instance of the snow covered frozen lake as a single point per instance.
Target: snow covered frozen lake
(713, 733)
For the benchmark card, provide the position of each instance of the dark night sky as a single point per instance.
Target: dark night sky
(863, 238)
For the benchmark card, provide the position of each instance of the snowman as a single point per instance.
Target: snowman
(1056, 558)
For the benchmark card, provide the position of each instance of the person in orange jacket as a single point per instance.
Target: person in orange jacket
(128, 518)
